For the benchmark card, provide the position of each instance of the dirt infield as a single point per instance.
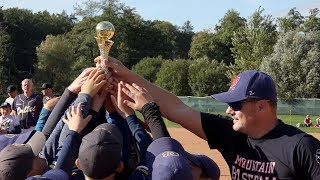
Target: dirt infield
(194, 144)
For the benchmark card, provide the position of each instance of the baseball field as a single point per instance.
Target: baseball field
(194, 144)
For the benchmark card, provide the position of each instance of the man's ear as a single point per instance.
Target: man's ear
(120, 167)
(77, 162)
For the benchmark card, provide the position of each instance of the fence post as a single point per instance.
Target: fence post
(290, 117)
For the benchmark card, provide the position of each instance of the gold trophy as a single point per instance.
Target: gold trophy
(105, 31)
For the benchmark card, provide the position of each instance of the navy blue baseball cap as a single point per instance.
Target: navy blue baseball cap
(52, 174)
(11, 88)
(250, 84)
(100, 151)
(165, 159)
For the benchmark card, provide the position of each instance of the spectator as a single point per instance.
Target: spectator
(307, 121)
(318, 122)
(27, 106)
(8, 123)
(12, 93)
(47, 92)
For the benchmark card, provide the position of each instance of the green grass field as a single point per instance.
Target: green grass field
(288, 119)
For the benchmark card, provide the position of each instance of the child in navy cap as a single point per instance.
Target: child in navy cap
(8, 123)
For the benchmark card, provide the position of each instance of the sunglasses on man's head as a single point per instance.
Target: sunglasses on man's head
(236, 106)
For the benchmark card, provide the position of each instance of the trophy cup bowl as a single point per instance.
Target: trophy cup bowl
(105, 31)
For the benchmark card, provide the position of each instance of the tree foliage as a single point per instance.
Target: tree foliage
(173, 76)
(292, 21)
(27, 30)
(295, 64)
(148, 68)
(207, 77)
(141, 44)
(253, 42)
(208, 45)
(312, 22)
(55, 58)
(6, 53)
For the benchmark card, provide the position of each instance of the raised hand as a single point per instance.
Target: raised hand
(139, 95)
(98, 100)
(75, 86)
(118, 103)
(75, 119)
(114, 65)
(94, 82)
(51, 103)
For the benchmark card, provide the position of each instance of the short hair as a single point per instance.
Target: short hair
(27, 80)
(273, 105)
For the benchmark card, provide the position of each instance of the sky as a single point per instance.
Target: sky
(203, 14)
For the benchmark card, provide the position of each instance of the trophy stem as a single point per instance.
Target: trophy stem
(104, 48)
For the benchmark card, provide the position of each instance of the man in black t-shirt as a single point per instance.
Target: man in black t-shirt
(254, 143)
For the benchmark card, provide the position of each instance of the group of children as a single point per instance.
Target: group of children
(93, 133)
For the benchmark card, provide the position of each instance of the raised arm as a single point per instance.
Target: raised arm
(69, 152)
(170, 105)
(66, 99)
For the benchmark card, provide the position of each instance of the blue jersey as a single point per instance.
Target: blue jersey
(28, 109)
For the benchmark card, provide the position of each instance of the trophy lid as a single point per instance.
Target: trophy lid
(105, 30)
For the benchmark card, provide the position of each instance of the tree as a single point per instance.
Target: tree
(6, 67)
(148, 68)
(253, 42)
(173, 76)
(312, 22)
(27, 30)
(83, 43)
(295, 64)
(183, 41)
(293, 21)
(207, 77)
(228, 26)
(55, 58)
(206, 44)
(167, 43)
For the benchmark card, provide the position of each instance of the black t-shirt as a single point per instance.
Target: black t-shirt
(283, 153)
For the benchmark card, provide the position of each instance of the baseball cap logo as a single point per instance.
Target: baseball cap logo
(169, 153)
(10, 135)
(234, 82)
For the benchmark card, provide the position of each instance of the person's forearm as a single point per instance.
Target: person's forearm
(140, 135)
(121, 124)
(57, 112)
(14, 113)
(69, 152)
(169, 104)
(44, 114)
(155, 122)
